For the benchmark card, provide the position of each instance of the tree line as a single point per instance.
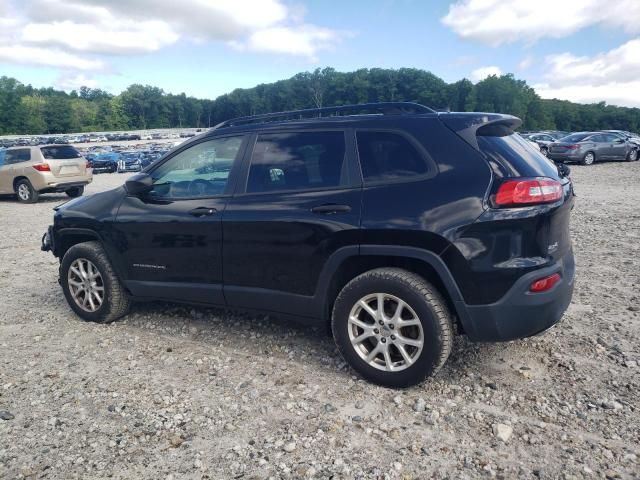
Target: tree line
(28, 110)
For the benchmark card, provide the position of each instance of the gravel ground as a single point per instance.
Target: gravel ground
(179, 392)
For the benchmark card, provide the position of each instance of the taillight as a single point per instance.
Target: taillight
(573, 147)
(544, 284)
(42, 167)
(528, 192)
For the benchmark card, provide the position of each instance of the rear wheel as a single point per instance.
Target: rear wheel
(25, 192)
(90, 284)
(392, 327)
(633, 155)
(588, 159)
(75, 192)
(544, 151)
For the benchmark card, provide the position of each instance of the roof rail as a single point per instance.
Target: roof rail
(382, 108)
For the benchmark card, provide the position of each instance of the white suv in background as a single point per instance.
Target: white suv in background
(29, 171)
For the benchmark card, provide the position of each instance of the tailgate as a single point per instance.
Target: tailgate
(68, 168)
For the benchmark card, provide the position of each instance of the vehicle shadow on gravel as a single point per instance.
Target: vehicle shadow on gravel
(251, 331)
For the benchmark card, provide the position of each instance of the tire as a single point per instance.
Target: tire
(115, 300)
(633, 155)
(424, 305)
(75, 192)
(544, 151)
(25, 192)
(588, 159)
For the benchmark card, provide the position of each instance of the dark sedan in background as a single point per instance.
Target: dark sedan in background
(588, 147)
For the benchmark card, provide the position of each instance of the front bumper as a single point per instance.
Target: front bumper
(521, 314)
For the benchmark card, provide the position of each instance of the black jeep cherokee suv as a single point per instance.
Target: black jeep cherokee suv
(389, 222)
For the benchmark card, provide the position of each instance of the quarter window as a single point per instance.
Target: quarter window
(199, 171)
(298, 161)
(388, 156)
(18, 156)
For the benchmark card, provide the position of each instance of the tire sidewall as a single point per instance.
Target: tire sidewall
(433, 345)
(83, 251)
(33, 195)
(584, 159)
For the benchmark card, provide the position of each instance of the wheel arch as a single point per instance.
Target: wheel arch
(425, 263)
(19, 178)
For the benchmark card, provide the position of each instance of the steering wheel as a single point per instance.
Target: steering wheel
(198, 187)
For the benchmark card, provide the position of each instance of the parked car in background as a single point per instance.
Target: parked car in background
(29, 171)
(393, 228)
(589, 147)
(129, 162)
(104, 162)
(543, 140)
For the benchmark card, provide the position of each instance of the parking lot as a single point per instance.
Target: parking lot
(178, 392)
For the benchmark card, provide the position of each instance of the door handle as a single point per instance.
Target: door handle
(202, 211)
(331, 208)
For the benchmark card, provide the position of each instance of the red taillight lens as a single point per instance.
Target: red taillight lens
(528, 192)
(572, 147)
(544, 284)
(42, 167)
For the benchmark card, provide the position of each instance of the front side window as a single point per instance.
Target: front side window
(298, 161)
(201, 170)
(388, 156)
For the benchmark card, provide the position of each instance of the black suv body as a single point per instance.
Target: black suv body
(431, 219)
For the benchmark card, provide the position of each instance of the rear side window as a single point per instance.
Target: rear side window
(516, 156)
(388, 156)
(298, 161)
(59, 152)
(17, 156)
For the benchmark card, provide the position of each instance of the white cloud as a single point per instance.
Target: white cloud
(483, 72)
(526, 63)
(495, 22)
(612, 76)
(47, 57)
(75, 81)
(73, 30)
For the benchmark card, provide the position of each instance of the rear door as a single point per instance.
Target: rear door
(300, 203)
(64, 161)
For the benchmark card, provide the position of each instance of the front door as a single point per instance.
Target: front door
(171, 237)
(300, 204)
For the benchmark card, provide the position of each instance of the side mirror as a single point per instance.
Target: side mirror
(139, 184)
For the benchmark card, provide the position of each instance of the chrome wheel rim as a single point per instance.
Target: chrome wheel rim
(85, 285)
(589, 159)
(385, 332)
(633, 155)
(23, 191)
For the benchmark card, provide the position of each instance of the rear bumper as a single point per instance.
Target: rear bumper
(565, 157)
(47, 182)
(61, 187)
(521, 314)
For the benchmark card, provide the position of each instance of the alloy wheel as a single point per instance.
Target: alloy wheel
(86, 284)
(23, 192)
(589, 158)
(385, 332)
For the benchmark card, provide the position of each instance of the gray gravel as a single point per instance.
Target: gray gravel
(179, 392)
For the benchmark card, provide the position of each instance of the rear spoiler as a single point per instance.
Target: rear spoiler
(470, 125)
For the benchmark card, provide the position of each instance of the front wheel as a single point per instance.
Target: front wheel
(75, 192)
(90, 284)
(392, 327)
(25, 192)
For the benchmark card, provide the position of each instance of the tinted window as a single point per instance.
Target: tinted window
(388, 156)
(516, 155)
(298, 161)
(18, 155)
(576, 137)
(59, 152)
(610, 137)
(201, 170)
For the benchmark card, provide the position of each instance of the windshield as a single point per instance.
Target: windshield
(575, 137)
(60, 152)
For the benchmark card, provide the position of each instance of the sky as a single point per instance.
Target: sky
(580, 50)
